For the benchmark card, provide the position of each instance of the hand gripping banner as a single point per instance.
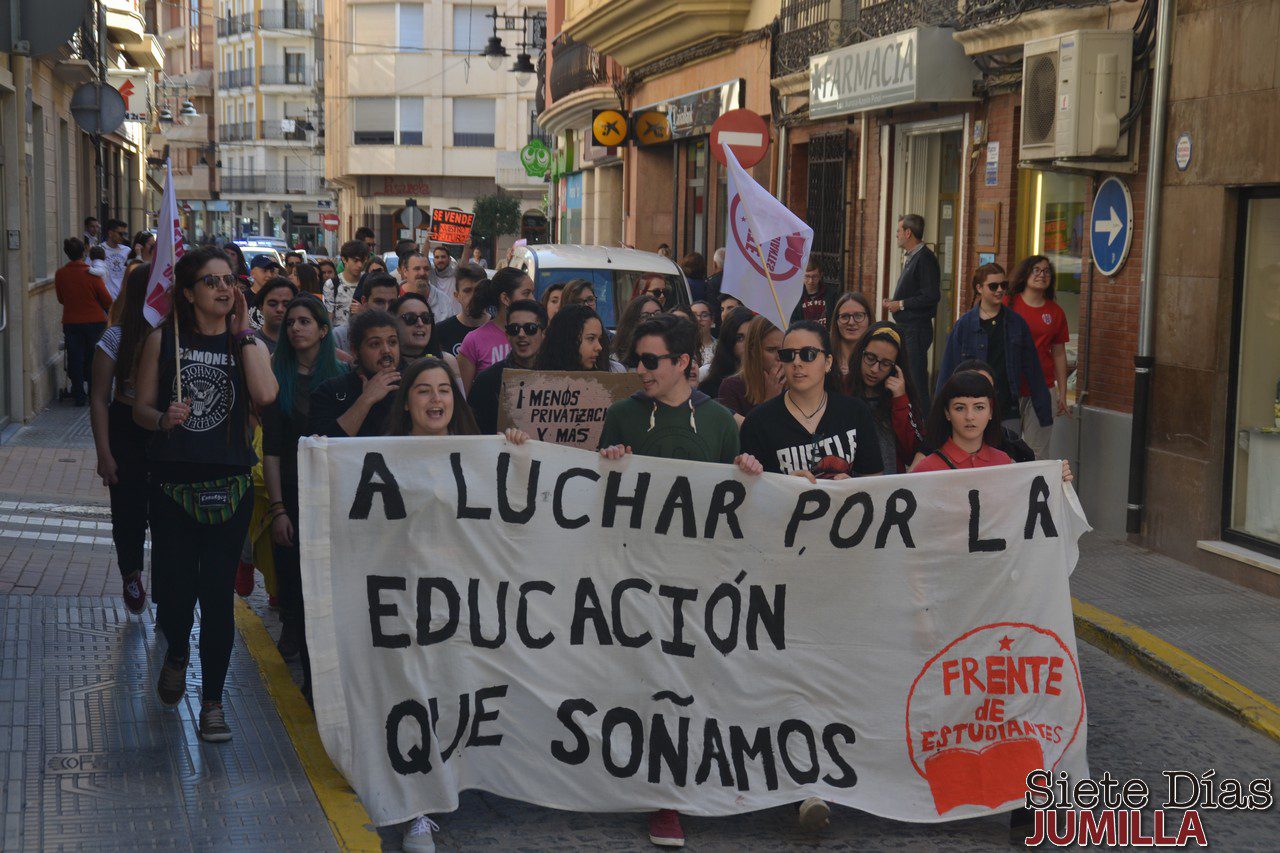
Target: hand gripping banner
(622, 636)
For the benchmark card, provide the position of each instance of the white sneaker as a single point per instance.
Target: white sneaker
(417, 836)
(815, 814)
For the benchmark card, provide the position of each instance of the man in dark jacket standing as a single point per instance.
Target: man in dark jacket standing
(915, 299)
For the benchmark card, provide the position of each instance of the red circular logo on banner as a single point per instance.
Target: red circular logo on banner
(783, 254)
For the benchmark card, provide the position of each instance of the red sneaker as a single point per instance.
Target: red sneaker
(665, 829)
(135, 594)
(244, 579)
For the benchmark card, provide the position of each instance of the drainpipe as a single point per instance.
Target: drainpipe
(1144, 360)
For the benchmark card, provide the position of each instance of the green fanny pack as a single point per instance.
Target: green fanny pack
(210, 502)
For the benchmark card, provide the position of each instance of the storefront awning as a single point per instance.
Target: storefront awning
(916, 66)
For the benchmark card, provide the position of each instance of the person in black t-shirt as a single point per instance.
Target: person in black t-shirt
(809, 430)
(359, 402)
(525, 329)
(450, 332)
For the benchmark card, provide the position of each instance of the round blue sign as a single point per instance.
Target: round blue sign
(1111, 226)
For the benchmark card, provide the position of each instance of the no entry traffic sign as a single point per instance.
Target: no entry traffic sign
(329, 221)
(743, 131)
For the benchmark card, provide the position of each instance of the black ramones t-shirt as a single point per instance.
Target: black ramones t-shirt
(847, 431)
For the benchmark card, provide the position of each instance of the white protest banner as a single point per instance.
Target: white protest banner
(539, 623)
(765, 259)
(169, 247)
(561, 406)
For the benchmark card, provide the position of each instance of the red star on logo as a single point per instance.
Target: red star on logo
(1006, 644)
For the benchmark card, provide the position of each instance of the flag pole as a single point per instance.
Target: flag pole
(782, 321)
(177, 353)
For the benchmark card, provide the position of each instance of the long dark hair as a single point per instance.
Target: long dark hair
(965, 383)
(564, 336)
(1022, 272)
(284, 363)
(881, 401)
(433, 343)
(461, 422)
(723, 362)
(236, 257)
(489, 291)
(626, 330)
(134, 327)
(819, 328)
(308, 276)
(833, 325)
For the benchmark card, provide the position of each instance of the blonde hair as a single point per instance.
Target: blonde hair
(752, 370)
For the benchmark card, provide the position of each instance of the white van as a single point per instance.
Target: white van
(616, 274)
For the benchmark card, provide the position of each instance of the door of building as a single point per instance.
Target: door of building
(828, 159)
(927, 181)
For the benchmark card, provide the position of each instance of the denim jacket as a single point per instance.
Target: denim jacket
(969, 340)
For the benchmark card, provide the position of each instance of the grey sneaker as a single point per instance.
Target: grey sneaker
(815, 814)
(213, 723)
(417, 835)
(172, 683)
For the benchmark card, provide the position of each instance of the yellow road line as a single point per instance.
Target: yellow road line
(1124, 639)
(348, 820)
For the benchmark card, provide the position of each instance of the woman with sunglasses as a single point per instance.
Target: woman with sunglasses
(882, 377)
(811, 430)
(1000, 337)
(1031, 296)
(201, 460)
(637, 311)
(305, 357)
(850, 320)
(727, 356)
(760, 378)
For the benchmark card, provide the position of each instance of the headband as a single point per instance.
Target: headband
(890, 333)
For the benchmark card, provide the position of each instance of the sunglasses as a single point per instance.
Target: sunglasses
(870, 360)
(807, 354)
(997, 286)
(657, 293)
(409, 318)
(213, 282)
(651, 361)
(529, 329)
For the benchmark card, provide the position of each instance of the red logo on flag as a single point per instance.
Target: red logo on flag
(783, 254)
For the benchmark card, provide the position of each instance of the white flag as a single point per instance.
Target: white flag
(169, 247)
(767, 248)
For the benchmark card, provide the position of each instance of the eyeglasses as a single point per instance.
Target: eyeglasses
(409, 318)
(588, 300)
(213, 282)
(649, 315)
(529, 329)
(807, 354)
(651, 361)
(870, 360)
(856, 317)
(1040, 271)
(657, 293)
(997, 286)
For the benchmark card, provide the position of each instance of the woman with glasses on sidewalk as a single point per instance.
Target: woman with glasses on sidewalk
(199, 374)
(1000, 337)
(304, 357)
(849, 322)
(1031, 296)
(121, 443)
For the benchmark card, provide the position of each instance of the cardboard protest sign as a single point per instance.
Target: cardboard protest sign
(451, 226)
(640, 634)
(560, 406)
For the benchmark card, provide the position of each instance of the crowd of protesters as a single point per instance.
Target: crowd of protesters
(197, 422)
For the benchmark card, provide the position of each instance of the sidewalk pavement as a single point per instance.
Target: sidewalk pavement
(1216, 641)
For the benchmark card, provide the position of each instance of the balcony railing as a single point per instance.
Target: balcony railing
(284, 75)
(234, 25)
(274, 183)
(290, 17)
(235, 79)
(236, 131)
(275, 129)
(575, 67)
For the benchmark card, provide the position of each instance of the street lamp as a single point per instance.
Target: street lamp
(532, 28)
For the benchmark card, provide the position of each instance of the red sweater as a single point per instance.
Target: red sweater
(84, 296)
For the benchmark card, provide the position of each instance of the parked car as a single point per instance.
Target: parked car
(617, 275)
(257, 241)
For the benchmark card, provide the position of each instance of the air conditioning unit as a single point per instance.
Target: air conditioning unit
(1075, 90)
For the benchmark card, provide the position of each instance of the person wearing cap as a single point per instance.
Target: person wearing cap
(262, 269)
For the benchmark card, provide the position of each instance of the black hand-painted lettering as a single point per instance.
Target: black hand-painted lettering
(418, 757)
(522, 615)
(1038, 511)
(977, 544)
(374, 585)
(426, 590)
(626, 640)
(505, 512)
(465, 511)
(385, 485)
(581, 746)
(811, 504)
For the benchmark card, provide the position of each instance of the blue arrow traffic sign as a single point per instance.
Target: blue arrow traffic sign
(1111, 226)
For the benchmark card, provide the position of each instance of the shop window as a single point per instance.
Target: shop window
(1252, 496)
